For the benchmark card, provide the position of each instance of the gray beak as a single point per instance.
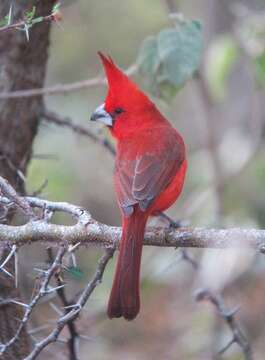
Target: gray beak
(100, 114)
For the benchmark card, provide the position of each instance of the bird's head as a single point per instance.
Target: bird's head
(126, 108)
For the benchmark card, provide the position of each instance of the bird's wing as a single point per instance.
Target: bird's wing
(141, 179)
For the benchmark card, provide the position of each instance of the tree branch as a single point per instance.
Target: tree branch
(43, 290)
(62, 88)
(52, 117)
(72, 342)
(27, 23)
(229, 317)
(89, 231)
(75, 309)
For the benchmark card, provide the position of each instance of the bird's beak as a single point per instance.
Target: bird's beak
(100, 114)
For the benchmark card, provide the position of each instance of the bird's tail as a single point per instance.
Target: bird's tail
(125, 297)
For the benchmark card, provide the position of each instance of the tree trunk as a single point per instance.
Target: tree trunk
(22, 66)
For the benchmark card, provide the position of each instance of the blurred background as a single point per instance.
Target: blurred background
(220, 113)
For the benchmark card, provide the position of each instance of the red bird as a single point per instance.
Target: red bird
(149, 174)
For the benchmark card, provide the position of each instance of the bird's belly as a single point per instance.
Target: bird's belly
(171, 193)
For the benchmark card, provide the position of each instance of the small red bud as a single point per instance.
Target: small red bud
(57, 16)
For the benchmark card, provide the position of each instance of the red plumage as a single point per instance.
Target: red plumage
(149, 173)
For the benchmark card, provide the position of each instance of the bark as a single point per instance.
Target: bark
(22, 66)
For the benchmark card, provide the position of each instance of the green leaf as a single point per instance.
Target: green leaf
(9, 16)
(6, 20)
(148, 64)
(180, 52)
(221, 57)
(30, 14)
(168, 91)
(260, 69)
(148, 60)
(75, 272)
(168, 60)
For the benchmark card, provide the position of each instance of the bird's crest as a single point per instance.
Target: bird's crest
(120, 86)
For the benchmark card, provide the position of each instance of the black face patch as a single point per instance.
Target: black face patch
(117, 112)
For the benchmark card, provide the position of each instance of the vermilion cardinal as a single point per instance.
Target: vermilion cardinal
(149, 173)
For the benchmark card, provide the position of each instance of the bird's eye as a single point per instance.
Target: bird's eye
(118, 110)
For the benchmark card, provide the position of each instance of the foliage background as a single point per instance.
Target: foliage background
(171, 325)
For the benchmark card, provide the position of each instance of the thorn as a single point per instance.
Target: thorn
(232, 312)
(56, 309)
(20, 303)
(13, 250)
(73, 257)
(86, 338)
(227, 346)
(62, 340)
(44, 272)
(21, 175)
(2, 348)
(72, 248)
(38, 329)
(34, 339)
(10, 15)
(16, 270)
(77, 306)
(201, 294)
(50, 290)
(6, 272)
(26, 29)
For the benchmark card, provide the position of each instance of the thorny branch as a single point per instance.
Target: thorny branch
(86, 231)
(43, 290)
(72, 342)
(75, 308)
(71, 308)
(29, 20)
(10, 193)
(229, 317)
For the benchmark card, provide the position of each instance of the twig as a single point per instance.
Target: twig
(7, 190)
(74, 336)
(75, 309)
(62, 88)
(43, 290)
(54, 118)
(9, 256)
(229, 317)
(185, 255)
(12, 167)
(76, 212)
(89, 231)
(30, 20)
(21, 24)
